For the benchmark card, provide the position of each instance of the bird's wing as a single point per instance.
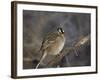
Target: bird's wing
(49, 40)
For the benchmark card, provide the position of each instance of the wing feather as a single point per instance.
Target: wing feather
(49, 40)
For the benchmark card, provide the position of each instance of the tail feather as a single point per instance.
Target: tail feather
(41, 59)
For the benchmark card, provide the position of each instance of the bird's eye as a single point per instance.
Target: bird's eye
(61, 30)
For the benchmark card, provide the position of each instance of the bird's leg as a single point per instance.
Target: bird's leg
(41, 59)
(76, 51)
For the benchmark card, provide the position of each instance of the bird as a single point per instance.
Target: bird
(52, 44)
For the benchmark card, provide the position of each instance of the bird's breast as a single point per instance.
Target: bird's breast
(57, 46)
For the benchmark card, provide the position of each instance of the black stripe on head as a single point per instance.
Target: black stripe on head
(60, 30)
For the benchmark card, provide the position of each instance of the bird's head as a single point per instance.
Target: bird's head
(60, 30)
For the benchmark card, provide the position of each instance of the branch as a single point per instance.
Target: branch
(64, 52)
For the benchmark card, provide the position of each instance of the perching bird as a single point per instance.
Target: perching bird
(52, 44)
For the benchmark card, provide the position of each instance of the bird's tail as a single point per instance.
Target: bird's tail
(41, 59)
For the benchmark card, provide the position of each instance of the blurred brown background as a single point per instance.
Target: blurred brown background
(37, 24)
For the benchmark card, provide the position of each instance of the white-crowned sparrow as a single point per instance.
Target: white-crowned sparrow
(52, 44)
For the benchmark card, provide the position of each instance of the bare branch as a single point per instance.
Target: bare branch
(65, 51)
